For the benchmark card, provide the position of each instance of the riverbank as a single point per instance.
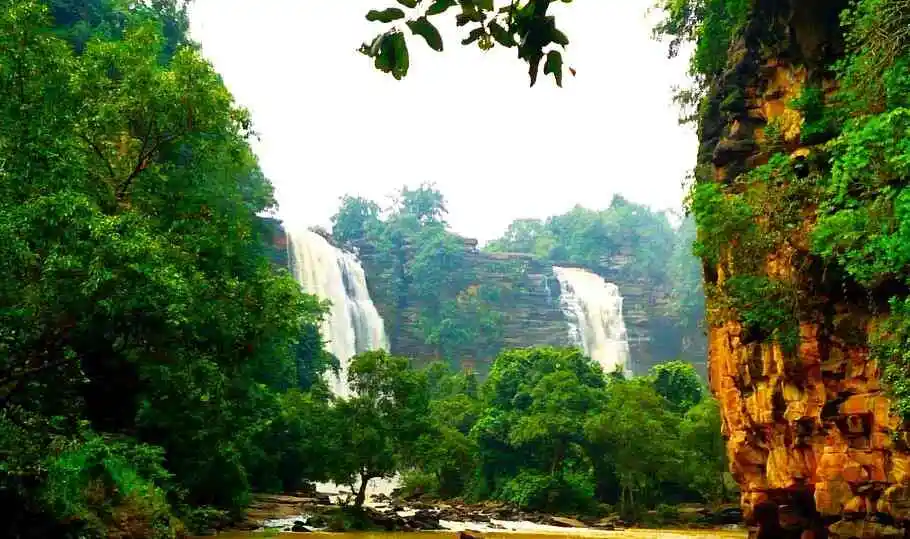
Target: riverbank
(285, 513)
(598, 534)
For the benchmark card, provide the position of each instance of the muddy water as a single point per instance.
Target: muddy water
(568, 534)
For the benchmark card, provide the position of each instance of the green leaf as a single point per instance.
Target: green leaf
(409, 3)
(440, 6)
(475, 34)
(486, 5)
(558, 37)
(501, 35)
(554, 66)
(400, 50)
(386, 15)
(424, 28)
(384, 54)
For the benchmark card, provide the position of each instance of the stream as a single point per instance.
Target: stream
(562, 534)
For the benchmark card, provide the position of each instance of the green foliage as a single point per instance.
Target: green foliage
(299, 444)
(382, 422)
(549, 431)
(630, 244)
(138, 298)
(639, 442)
(356, 219)
(878, 41)
(417, 260)
(817, 125)
(687, 295)
(592, 238)
(861, 226)
(535, 490)
(712, 25)
(724, 220)
(766, 308)
(79, 21)
(706, 455)
(740, 228)
(525, 26)
(678, 382)
(110, 484)
(524, 236)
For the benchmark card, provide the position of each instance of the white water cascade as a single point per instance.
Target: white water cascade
(353, 324)
(593, 308)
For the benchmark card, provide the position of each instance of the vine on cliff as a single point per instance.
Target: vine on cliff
(863, 226)
(712, 26)
(843, 201)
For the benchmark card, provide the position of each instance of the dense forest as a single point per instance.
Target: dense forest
(417, 258)
(413, 258)
(157, 368)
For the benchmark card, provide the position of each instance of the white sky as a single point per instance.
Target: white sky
(330, 124)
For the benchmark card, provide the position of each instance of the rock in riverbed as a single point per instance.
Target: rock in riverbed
(566, 522)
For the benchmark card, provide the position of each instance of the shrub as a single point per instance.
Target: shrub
(110, 487)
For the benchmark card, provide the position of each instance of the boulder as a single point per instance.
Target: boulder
(317, 521)
(728, 515)
(608, 523)
(896, 502)
(566, 522)
(299, 527)
(424, 520)
(863, 529)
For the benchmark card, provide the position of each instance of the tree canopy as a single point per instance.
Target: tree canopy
(528, 27)
(549, 430)
(145, 333)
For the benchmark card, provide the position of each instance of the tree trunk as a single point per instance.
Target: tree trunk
(362, 491)
(557, 458)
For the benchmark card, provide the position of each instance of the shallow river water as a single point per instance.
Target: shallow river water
(569, 534)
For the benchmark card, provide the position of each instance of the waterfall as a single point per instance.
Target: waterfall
(353, 324)
(593, 308)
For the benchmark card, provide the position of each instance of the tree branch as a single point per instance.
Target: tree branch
(100, 154)
(142, 162)
(18, 375)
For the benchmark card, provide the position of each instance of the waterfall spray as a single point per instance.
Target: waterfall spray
(353, 324)
(593, 308)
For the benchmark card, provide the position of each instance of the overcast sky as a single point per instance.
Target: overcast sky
(330, 124)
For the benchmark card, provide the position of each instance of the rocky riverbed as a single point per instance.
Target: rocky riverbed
(318, 512)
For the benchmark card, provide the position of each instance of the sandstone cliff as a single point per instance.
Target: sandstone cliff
(533, 316)
(810, 432)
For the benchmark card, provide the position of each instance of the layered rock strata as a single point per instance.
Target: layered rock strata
(811, 436)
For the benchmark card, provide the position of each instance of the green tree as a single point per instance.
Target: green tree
(678, 382)
(687, 297)
(638, 436)
(139, 301)
(382, 422)
(524, 236)
(536, 402)
(301, 443)
(444, 458)
(426, 204)
(356, 218)
(706, 464)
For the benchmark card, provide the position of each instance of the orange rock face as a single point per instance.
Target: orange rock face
(822, 435)
(811, 437)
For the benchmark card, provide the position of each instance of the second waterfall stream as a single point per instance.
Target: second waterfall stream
(593, 309)
(353, 324)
